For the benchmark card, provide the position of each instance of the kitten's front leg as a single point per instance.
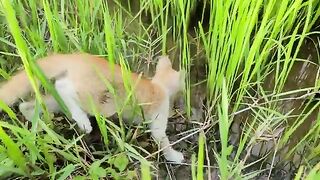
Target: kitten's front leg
(69, 95)
(158, 130)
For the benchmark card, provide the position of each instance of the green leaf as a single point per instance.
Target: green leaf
(13, 151)
(113, 173)
(96, 171)
(66, 171)
(121, 162)
(145, 170)
(79, 178)
(6, 109)
(201, 156)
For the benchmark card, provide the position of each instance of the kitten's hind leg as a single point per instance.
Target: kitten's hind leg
(27, 108)
(158, 130)
(69, 95)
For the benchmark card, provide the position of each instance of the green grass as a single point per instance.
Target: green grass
(250, 49)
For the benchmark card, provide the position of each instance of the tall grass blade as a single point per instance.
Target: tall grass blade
(14, 152)
(201, 156)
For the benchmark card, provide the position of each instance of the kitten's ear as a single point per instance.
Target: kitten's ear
(163, 63)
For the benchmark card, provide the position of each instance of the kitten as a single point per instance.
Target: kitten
(79, 77)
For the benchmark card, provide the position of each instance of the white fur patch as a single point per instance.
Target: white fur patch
(69, 95)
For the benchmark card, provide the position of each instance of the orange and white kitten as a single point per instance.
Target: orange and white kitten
(78, 77)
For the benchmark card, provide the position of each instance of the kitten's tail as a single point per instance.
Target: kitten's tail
(19, 86)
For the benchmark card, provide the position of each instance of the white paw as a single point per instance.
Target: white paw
(174, 156)
(27, 110)
(84, 124)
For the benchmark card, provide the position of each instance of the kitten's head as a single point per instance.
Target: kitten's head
(167, 77)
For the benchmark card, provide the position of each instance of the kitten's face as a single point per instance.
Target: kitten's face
(173, 80)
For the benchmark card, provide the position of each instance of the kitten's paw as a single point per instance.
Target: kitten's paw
(85, 126)
(27, 110)
(174, 156)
